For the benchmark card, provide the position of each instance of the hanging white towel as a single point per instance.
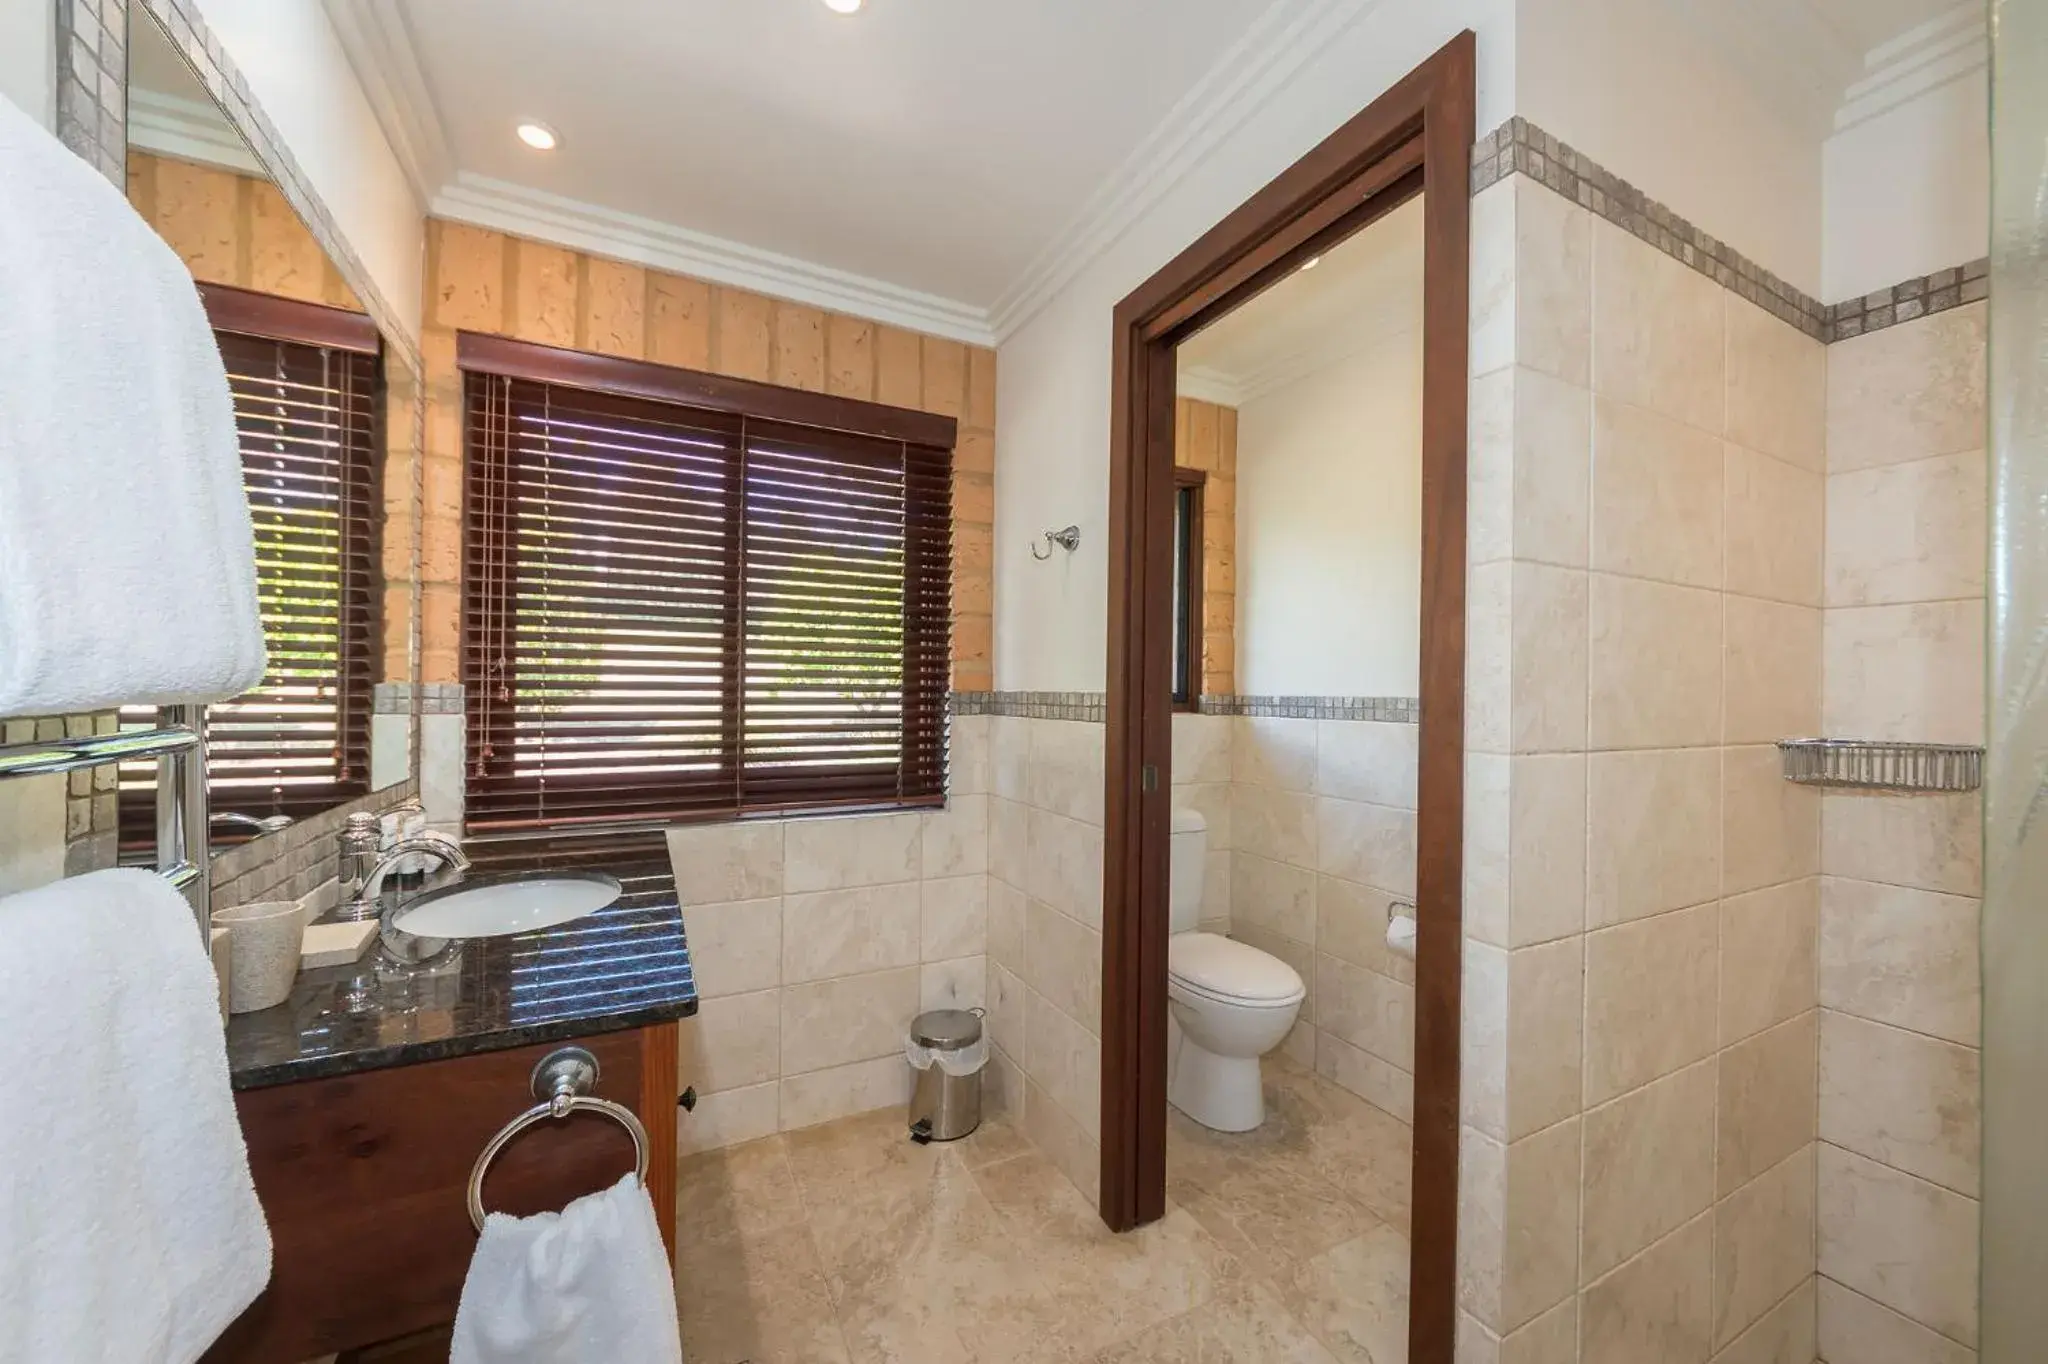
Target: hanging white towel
(132, 1231)
(590, 1284)
(127, 568)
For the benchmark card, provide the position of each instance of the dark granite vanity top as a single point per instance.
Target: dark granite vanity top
(626, 966)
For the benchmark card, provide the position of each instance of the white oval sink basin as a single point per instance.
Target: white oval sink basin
(496, 907)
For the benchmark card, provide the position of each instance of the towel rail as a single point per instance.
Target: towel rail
(179, 746)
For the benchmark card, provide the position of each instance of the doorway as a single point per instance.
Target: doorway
(1412, 143)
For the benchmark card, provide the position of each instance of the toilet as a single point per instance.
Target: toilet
(1228, 1003)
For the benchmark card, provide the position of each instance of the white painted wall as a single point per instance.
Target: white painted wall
(1909, 191)
(1329, 529)
(28, 57)
(300, 75)
(1053, 378)
(1634, 86)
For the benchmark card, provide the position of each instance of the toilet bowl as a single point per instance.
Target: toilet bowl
(1228, 1003)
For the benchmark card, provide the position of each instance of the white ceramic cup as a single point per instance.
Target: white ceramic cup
(263, 952)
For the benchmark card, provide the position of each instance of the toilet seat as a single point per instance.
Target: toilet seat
(1212, 967)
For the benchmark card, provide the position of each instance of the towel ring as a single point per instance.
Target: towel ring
(562, 1082)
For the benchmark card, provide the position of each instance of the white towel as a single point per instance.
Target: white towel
(587, 1285)
(127, 568)
(131, 1234)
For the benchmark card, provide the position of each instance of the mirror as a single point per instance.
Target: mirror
(327, 412)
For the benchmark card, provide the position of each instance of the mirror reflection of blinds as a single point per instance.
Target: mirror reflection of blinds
(674, 612)
(299, 743)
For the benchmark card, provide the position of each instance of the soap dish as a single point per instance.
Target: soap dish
(335, 944)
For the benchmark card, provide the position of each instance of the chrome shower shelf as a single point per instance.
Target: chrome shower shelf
(1871, 765)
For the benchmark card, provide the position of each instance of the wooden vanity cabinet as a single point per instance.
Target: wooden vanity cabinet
(364, 1178)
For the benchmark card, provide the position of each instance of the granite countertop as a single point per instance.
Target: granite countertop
(626, 966)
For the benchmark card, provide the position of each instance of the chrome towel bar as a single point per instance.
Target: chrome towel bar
(562, 1082)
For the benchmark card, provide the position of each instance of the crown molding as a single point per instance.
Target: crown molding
(1238, 389)
(1207, 384)
(506, 207)
(1941, 50)
(378, 42)
(1255, 69)
(189, 130)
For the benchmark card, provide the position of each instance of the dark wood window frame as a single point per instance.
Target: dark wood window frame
(742, 472)
(245, 321)
(1419, 133)
(1190, 490)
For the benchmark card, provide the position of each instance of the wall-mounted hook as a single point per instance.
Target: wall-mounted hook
(1068, 540)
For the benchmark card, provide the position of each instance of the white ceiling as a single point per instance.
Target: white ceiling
(1361, 292)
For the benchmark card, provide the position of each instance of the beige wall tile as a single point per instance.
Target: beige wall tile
(1009, 840)
(1540, 291)
(1771, 682)
(1777, 387)
(1482, 1224)
(1771, 827)
(1053, 1131)
(955, 839)
(1657, 497)
(1212, 801)
(821, 1096)
(1909, 1101)
(1006, 924)
(1763, 1246)
(1654, 665)
(1006, 1009)
(1483, 1040)
(1370, 844)
(848, 932)
(733, 1041)
(1934, 842)
(1768, 941)
(1272, 896)
(1278, 825)
(1649, 1167)
(961, 983)
(1546, 1003)
(1911, 673)
(1785, 1334)
(1529, 469)
(1766, 1103)
(1775, 512)
(1063, 963)
(1657, 331)
(1542, 1223)
(1552, 1338)
(734, 948)
(730, 1117)
(1379, 1082)
(1650, 999)
(851, 850)
(1064, 866)
(1537, 871)
(1367, 760)
(1858, 1328)
(719, 863)
(1064, 1060)
(1901, 956)
(1907, 532)
(1907, 393)
(1201, 748)
(832, 1023)
(1274, 751)
(967, 756)
(955, 918)
(1653, 826)
(1492, 278)
(1547, 677)
(1658, 1306)
(1904, 1242)
(1366, 1009)
(1065, 774)
(1351, 923)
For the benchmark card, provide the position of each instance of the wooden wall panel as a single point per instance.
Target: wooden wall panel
(1205, 438)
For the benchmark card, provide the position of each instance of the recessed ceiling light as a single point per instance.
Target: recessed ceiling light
(842, 6)
(538, 136)
(1312, 262)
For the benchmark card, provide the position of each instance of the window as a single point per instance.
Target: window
(694, 597)
(306, 382)
(1187, 587)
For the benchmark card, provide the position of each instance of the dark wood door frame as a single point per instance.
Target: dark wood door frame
(1417, 135)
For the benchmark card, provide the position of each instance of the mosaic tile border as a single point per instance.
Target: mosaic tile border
(1915, 298)
(92, 83)
(1088, 707)
(1398, 710)
(1521, 146)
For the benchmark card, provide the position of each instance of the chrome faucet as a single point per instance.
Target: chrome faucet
(359, 898)
(262, 824)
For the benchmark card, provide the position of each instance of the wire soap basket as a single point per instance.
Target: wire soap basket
(1870, 765)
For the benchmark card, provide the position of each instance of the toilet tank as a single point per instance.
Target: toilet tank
(1187, 869)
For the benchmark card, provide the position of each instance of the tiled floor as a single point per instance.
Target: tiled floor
(847, 1244)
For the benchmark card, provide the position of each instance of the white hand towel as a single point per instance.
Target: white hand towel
(590, 1284)
(127, 568)
(132, 1234)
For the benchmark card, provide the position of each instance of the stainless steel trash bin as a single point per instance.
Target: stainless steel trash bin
(945, 1048)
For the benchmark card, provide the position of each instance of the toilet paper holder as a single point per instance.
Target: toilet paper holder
(1399, 909)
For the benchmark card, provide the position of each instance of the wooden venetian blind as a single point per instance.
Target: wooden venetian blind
(306, 386)
(693, 609)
